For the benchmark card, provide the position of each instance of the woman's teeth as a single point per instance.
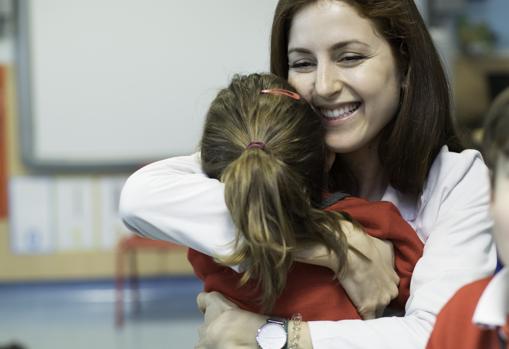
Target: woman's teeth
(341, 112)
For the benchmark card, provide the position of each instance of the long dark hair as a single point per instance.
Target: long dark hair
(272, 189)
(423, 123)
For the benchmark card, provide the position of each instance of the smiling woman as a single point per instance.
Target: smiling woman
(371, 70)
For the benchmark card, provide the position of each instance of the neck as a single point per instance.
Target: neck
(366, 167)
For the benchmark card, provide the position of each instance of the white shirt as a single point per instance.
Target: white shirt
(174, 200)
(493, 306)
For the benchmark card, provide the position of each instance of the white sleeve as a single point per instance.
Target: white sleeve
(459, 250)
(174, 200)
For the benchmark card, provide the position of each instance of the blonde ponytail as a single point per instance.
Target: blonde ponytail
(269, 152)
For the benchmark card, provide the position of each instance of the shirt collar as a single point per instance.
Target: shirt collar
(493, 306)
(406, 204)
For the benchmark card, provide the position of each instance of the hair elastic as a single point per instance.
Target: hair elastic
(256, 144)
(281, 92)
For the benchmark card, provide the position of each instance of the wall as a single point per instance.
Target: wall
(494, 13)
(226, 15)
(129, 83)
(61, 266)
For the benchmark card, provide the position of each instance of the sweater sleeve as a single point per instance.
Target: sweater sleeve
(174, 200)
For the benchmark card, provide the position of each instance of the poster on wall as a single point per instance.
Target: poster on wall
(31, 215)
(49, 214)
(73, 213)
(112, 228)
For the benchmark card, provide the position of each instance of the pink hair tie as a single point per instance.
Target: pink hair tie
(256, 144)
(281, 92)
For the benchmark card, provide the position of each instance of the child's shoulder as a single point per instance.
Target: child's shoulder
(464, 302)
(454, 327)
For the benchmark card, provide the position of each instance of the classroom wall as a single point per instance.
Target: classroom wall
(70, 265)
(66, 68)
(82, 19)
(57, 265)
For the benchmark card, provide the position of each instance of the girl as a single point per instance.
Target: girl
(266, 144)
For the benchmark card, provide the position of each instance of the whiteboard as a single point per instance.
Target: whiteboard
(116, 83)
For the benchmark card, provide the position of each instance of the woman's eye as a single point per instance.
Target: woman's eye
(351, 59)
(301, 65)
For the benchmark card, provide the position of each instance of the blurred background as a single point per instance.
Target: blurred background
(91, 90)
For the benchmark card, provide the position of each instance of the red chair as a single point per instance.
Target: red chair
(128, 246)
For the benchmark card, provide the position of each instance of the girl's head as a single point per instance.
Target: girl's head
(268, 148)
(496, 150)
(291, 132)
(370, 68)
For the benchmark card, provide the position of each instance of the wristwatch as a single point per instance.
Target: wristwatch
(273, 334)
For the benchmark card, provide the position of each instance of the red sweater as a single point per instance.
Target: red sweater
(454, 327)
(311, 290)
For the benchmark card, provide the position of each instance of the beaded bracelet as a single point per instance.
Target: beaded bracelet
(295, 322)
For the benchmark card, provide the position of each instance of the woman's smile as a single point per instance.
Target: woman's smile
(339, 113)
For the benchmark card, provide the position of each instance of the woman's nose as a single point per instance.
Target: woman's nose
(328, 82)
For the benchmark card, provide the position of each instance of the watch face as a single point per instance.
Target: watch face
(271, 336)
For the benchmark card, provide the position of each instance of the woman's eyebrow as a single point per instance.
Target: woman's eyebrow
(334, 47)
(342, 44)
(298, 50)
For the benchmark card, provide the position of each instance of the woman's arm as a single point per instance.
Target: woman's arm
(459, 250)
(174, 200)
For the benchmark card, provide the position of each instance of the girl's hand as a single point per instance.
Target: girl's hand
(368, 278)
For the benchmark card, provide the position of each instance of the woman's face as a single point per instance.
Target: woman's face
(500, 208)
(345, 68)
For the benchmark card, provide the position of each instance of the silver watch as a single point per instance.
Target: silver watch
(273, 334)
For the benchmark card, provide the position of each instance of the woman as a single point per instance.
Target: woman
(371, 70)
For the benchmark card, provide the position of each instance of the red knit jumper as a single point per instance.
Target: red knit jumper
(311, 290)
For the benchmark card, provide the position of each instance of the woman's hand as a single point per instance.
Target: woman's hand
(225, 325)
(369, 278)
(213, 304)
